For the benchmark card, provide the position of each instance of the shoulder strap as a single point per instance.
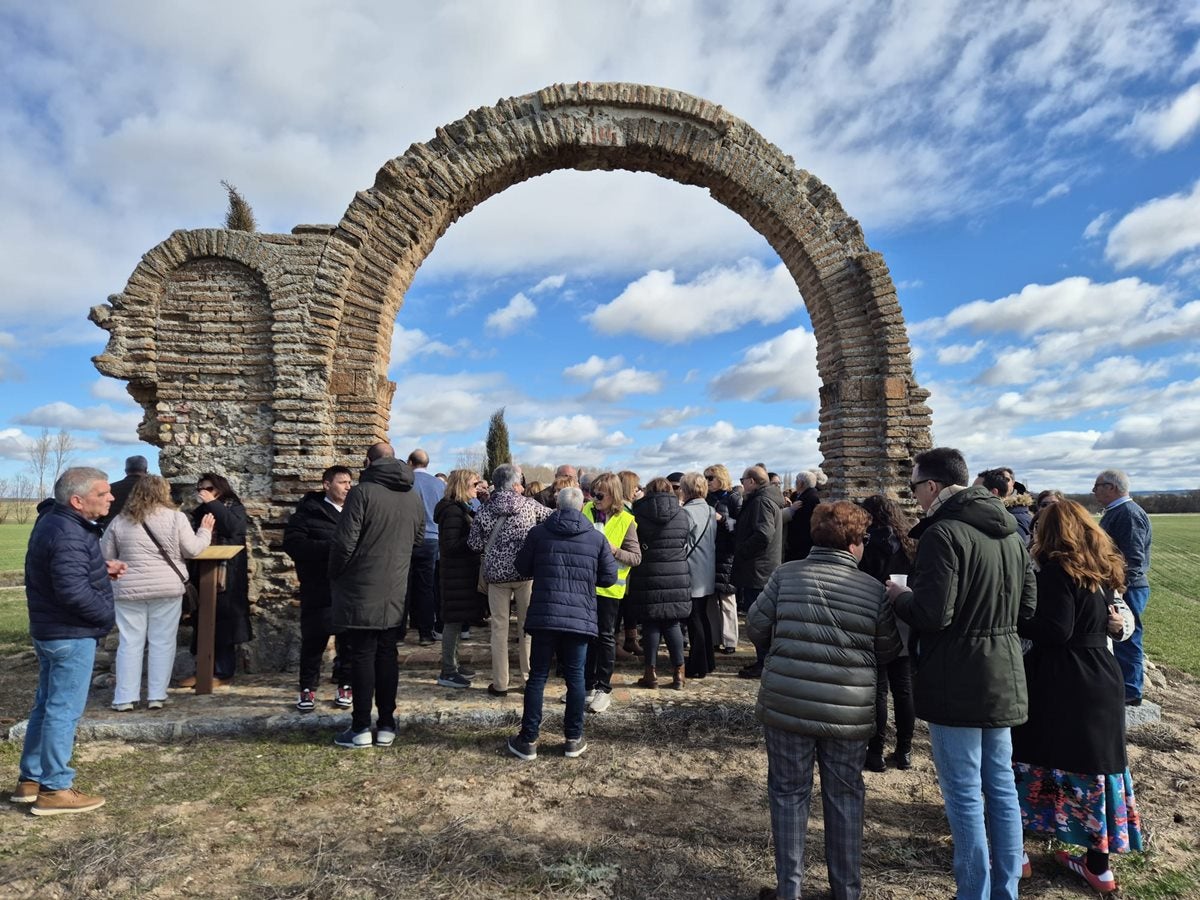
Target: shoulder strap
(170, 562)
(708, 519)
(495, 534)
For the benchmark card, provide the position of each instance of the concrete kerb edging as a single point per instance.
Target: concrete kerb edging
(129, 730)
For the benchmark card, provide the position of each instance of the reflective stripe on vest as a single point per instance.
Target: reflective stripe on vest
(615, 527)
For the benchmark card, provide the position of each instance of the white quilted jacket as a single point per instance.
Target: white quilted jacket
(149, 576)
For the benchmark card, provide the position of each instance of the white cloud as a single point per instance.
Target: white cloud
(1168, 417)
(1059, 190)
(1156, 231)
(718, 300)
(409, 343)
(549, 283)
(782, 449)
(782, 368)
(114, 426)
(14, 444)
(426, 405)
(578, 429)
(1096, 227)
(624, 382)
(112, 390)
(592, 367)
(956, 354)
(672, 416)
(1170, 124)
(1072, 303)
(510, 317)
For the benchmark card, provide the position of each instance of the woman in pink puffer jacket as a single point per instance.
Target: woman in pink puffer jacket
(149, 596)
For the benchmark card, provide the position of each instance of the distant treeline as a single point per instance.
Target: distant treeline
(1166, 502)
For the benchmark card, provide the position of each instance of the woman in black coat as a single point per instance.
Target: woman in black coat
(889, 551)
(727, 503)
(218, 498)
(1072, 774)
(459, 567)
(659, 595)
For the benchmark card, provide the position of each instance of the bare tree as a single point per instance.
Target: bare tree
(5, 504)
(23, 503)
(471, 458)
(40, 455)
(62, 452)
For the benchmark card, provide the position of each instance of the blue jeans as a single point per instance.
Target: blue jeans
(1129, 653)
(64, 676)
(974, 770)
(571, 649)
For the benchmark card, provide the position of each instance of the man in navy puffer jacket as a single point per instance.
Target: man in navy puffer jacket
(69, 592)
(568, 559)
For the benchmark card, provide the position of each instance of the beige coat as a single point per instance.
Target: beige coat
(149, 576)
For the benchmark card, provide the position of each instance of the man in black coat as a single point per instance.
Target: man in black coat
(798, 517)
(382, 521)
(306, 539)
(970, 584)
(758, 545)
(136, 468)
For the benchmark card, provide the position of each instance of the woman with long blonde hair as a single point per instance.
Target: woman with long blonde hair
(1072, 774)
(462, 603)
(153, 539)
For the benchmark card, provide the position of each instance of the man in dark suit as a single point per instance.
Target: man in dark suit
(135, 468)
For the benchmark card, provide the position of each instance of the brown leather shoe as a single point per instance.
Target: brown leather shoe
(222, 682)
(26, 792)
(55, 803)
(648, 680)
(189, 682)
(678, 680)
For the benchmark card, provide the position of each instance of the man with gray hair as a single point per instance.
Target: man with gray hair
(136, 468)
(797, 516)
(1129, 527)
(68, 587)
(567, 558)
(498, 533)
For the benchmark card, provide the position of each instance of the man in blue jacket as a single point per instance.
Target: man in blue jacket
(69, 591)
(1129, 527)
(567, 558)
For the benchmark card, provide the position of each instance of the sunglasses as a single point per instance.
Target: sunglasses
(913, 485)
(599, 496)
(205, 487)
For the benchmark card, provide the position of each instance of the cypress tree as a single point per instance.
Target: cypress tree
(497, 444)
(239, 216)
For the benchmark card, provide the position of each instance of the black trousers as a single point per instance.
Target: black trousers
(374, 673)
(422, 584)
(896, 675)
(701, 659)
(602, 650)
(670, 632)
(316, 627)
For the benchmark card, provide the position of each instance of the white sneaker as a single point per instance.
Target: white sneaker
(385, 737)
(600, 702)
(587, 698)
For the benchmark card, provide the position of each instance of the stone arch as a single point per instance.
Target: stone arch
(873, 417)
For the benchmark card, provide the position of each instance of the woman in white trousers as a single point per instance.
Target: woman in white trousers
(153, 538)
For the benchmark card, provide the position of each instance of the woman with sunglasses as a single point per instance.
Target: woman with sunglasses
(217, 498)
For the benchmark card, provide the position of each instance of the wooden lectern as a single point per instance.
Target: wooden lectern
(206, 620)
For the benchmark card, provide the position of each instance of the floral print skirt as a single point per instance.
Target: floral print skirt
(1093, 811)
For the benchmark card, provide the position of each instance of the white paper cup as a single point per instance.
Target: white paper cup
(901, 580)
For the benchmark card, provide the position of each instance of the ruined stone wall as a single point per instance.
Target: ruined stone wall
(265, 357)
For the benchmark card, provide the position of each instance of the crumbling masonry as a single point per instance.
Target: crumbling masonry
(265, 356)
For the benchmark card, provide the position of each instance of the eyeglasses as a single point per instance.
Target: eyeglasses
(599, 497)
(1100, 484)
(913, 485)
(677, 487)
(711, 477)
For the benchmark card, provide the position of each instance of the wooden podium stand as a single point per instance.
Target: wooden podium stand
(206, 620)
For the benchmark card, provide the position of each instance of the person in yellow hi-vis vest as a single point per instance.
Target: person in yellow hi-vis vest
(607, 512)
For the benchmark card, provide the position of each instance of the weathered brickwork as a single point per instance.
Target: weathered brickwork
(265, 356)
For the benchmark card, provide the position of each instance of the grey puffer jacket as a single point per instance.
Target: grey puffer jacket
(828, 626)
(150, 577)
(515, 516)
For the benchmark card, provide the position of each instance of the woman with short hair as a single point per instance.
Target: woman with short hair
(702, 570)
(154, 539)
(1072, 772)
(660, 593)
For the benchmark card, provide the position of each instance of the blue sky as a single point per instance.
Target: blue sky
(1030, 172)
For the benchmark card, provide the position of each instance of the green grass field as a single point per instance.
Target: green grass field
(13, 538)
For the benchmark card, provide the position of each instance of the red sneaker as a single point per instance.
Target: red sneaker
(1078, 865)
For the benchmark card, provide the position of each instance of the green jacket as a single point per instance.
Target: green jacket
(970, 583)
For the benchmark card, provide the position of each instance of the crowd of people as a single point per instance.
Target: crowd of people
(978, 618)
